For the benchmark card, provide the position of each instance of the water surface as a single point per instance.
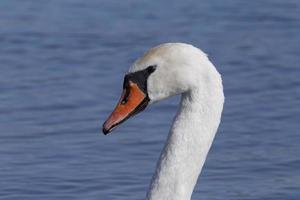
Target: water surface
(62, 67)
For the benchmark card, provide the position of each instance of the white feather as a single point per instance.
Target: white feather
(183, 69)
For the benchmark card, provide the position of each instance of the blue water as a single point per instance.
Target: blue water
(62, 64)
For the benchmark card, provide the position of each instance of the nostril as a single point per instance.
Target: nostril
(125, 100)
(126, 96)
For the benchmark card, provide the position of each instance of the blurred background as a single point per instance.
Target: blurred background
(62, 66)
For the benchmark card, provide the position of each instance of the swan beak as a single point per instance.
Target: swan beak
(132, 101)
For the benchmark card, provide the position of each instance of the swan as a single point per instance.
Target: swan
(164, 71)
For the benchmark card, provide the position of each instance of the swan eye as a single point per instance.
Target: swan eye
(151, 69)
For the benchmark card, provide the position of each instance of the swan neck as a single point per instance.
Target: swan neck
(186, 148)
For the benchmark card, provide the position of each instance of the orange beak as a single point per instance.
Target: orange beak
(132, 101)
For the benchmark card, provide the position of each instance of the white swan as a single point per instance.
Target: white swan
(166, 70)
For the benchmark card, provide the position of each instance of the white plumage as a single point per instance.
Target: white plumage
(183, 69)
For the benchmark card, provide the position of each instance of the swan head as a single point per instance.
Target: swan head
(163, 71)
